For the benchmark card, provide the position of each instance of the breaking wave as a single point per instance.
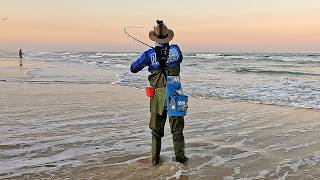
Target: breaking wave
(273, 72)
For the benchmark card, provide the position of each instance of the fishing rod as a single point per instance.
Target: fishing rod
(134, 38)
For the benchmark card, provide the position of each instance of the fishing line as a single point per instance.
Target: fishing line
(134, 38)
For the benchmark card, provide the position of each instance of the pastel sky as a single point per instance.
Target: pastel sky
(199, 25)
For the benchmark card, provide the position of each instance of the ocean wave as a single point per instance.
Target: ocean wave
(95, 56)
(216, 56)
(208, 56)
(301, 59)
(117, 54)
(216, 75)
(234, 57)
(122, 66)
(259, 71)
(76, 56)
(66, 82)
(292, 58)
(66, 53)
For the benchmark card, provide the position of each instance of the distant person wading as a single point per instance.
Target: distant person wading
(20, 55)
(165, 92)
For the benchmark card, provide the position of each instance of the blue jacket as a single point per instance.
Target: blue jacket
(149, 58)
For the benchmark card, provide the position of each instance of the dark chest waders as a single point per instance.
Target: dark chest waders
(177, 103)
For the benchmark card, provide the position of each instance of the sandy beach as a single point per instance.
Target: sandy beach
(10, 68)
(100, 131)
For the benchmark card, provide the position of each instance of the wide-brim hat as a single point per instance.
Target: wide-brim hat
(161, 34)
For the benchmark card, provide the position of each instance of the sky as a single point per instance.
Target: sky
(199, 25)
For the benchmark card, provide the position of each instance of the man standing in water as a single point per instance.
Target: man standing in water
(20, 55)
(163, 62)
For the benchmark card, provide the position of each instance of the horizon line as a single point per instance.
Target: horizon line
(203, 52)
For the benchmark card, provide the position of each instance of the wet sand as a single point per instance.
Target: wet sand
(100, 131)
(10, 68)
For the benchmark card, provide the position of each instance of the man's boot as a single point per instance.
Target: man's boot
(156, 147)
(179, 151)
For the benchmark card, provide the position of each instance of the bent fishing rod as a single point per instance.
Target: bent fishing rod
(134, 38)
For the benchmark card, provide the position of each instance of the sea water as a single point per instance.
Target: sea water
(278, 79)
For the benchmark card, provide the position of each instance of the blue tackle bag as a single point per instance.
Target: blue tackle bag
(177, 103)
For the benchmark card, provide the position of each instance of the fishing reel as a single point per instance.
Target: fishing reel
(162, 53)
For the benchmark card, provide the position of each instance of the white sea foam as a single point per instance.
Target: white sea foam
(218, 160)
(300, 146)
(295, 165)
(122, 66)
(95, 56)
(236, 171)
(117, 54)
(284, 176)
(75, 56)
(66, 53)
(12, 165)
(262, 175)
(208, 56)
